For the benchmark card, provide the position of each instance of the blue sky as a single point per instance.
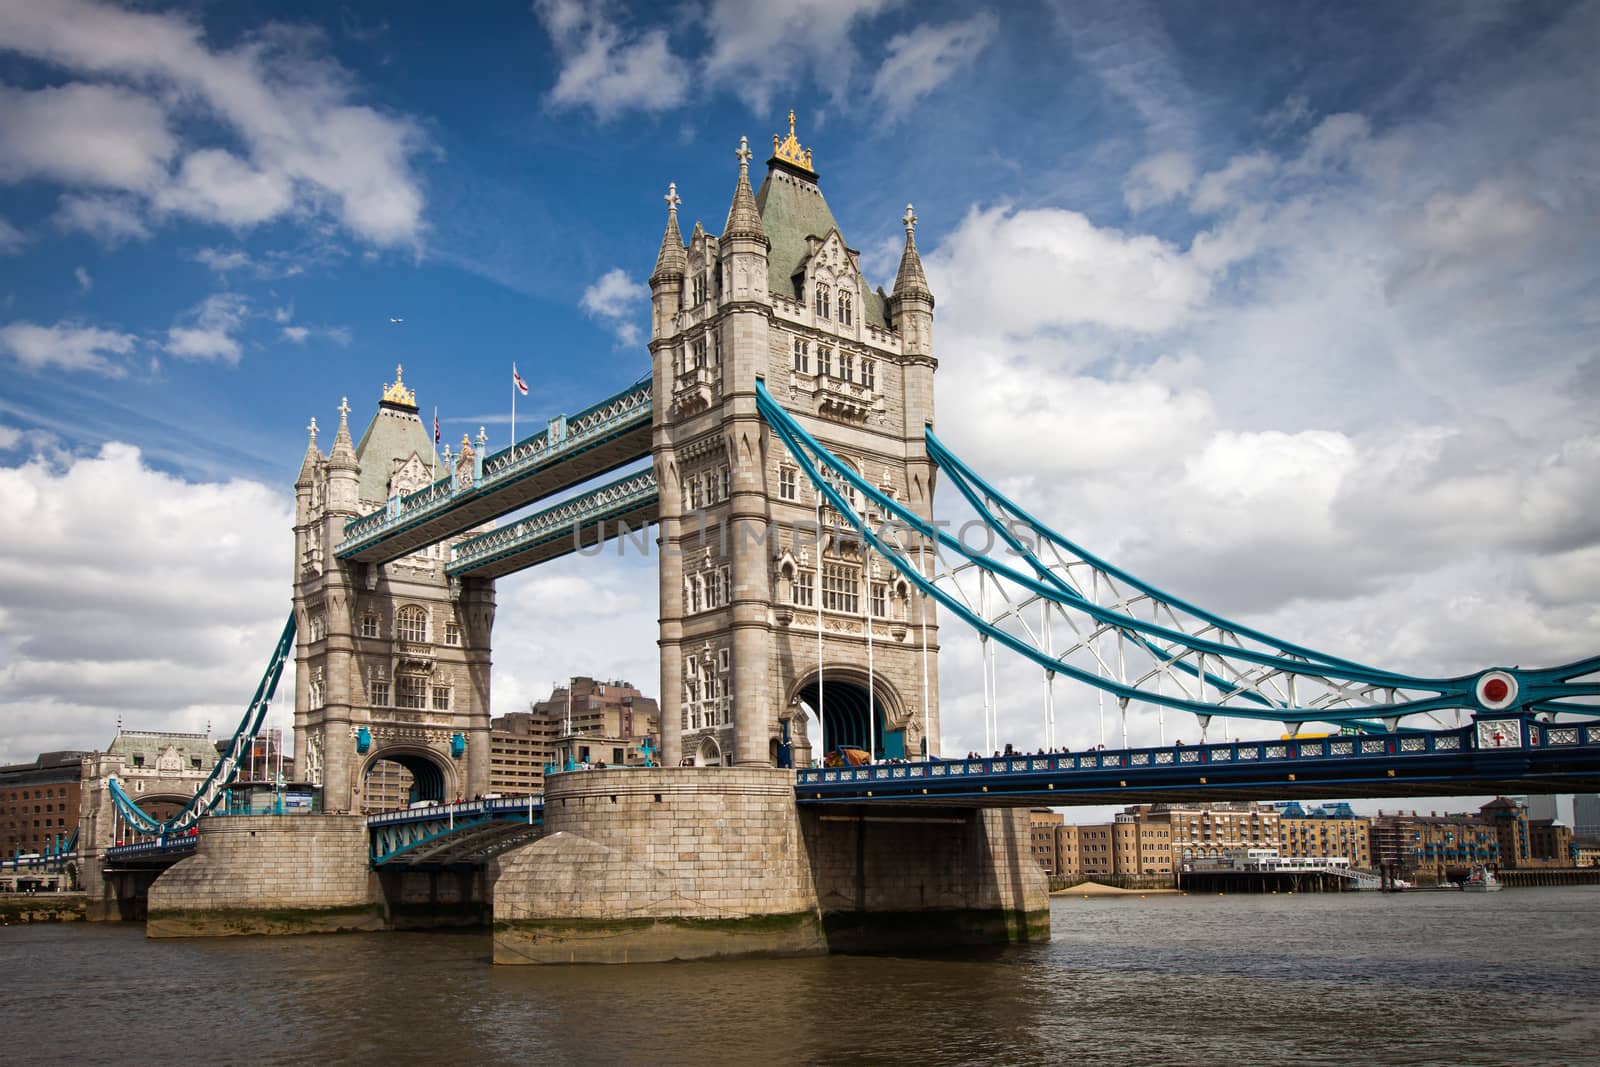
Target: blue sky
(1289, 306)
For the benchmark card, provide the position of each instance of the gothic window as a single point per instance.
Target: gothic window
(318, 626)
(315, 695)
(716, 348)
(377, 690)
(869, 373)
(724, 659)
(824, 360)
(411, 624)
(369, 624)
(694, 594)
(841, 588)
(727, 483)
(822, 301)
(441, 698)
(847, 368)
(803, 592)
(842, 487)
(699, 353)
(699, 289)
(880, 599)
(411, 691)
(802, 356)
(694, 492)
(452, 633)
(845, 310)
(787, 489)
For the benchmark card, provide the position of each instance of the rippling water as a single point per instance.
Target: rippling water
(1439, 978)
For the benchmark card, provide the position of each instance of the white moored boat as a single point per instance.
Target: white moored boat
(1481, 880)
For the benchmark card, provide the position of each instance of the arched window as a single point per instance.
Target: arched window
(845, 309)
(411, 624)
(822, 301)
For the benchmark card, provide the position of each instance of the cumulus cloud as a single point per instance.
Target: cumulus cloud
(922, 59)
(209, 329)
(167, 624)
(606, 68)
(11, 239)
(308, 146)
(110, 220)
(83, 278)
(297, 334)
(618, 301)
(69, 346)
(757, 49)
(81, 134)
(1158, 180)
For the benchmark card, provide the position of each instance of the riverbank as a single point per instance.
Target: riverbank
(18, 908)
(1096, 889)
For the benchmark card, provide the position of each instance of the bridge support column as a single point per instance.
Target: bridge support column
(918, 879)
(269, 874)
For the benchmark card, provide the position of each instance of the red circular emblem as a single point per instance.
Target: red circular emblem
(1495, 690)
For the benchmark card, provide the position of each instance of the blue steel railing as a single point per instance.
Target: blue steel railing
(1530, 735)
(519, 805)
(170, 847)
(395, 833)
(573, 434)
(623, 495)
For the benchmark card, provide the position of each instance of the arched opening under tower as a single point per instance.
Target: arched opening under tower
(395, 779)
(850, 715)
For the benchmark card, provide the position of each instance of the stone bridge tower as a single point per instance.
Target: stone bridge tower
(774, 615)
(392, 660)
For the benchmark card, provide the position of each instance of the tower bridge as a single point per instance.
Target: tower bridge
(788, 426)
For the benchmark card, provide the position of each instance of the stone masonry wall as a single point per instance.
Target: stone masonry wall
(672, 863)
(269, 874)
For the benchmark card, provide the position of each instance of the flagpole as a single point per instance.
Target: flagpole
(513, 408)
(433, 460)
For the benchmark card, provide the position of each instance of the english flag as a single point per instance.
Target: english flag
(516, 379)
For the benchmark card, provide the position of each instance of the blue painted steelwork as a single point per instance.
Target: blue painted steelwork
(211, 790)
(58, 852)
(467, 832)
(169, 850)
(632, 497)
(616, 416)
(1497, 753)
(1259, 683)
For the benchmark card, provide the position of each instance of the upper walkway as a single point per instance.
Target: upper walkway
(1496, 755)
(572, 450)
(629, 503)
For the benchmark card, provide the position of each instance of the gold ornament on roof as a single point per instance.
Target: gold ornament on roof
(789, 149)
(397, 393)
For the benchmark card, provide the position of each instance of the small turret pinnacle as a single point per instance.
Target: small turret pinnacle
(343, 453)
(911, 281)
(671, 262)
(308, 467)
(744, 218)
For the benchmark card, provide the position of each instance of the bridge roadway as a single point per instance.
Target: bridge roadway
(1529, 757)
(571, 451)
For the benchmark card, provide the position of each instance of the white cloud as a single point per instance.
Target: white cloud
(66, 345)
(757, 49)
(223, 261)
(307, 144)
(297, 334)
(922, 59)
(605, 68)
(108, 219)
(96, 135)
(1219, 188)
(217, 186)
(210, 329)
(85, 282)
(1158, 180)
(618, 301)
(11, 239)
(10, 437)
(167, 624)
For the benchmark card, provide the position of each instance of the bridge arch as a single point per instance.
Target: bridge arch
(433, 777)
(849, 699)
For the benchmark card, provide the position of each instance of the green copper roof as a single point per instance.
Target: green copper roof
(793, 209)
(395, 433)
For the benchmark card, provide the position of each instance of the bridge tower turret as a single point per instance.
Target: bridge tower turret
(767, 626)
(392, 659)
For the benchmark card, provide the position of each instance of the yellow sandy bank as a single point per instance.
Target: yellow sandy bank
(1095, 889)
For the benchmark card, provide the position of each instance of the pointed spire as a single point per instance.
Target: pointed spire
(671, 262)
(744, 218)
(343, 453)
(308, 466)
(910, 281)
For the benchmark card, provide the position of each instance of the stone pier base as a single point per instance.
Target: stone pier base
(269, 874)
(663, 864)
(704, 863)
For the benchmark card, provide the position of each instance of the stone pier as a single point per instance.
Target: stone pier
(269, 874)
(703, 863)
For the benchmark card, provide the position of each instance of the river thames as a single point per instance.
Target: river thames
(1426, 978)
